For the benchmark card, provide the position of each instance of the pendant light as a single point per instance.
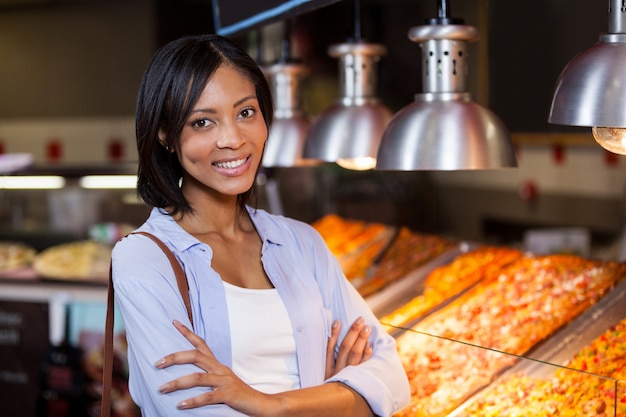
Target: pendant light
(443, 129)
(591, 90)
(285, 142)
(349, 132)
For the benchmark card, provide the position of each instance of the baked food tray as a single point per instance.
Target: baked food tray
(543, 361)
(403, 290)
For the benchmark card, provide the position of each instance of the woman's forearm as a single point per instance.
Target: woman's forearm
(333, 398)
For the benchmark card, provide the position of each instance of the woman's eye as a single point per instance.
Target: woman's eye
(247, 113)
(201, 123)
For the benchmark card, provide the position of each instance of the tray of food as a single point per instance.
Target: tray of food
(403, 290)
(461, 348)
(16, 259)
(454, 273)
(84, 260)
(373, 255)
(581, 370)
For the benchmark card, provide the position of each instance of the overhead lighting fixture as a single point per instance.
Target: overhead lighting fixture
(289, 128)
(591, 90)
(349, 131)
(444, 129)
(285, 143)
(113, 182)
(32, 182)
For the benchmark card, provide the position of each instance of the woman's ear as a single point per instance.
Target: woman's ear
(162, 140)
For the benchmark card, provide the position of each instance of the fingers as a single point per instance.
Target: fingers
(368, 351)
(179, 358)
(360, 332)
(190, 381)
(201, 356)
(197, 379)
(330, 348)
(199, 401)
(355, 346)
(193, 338)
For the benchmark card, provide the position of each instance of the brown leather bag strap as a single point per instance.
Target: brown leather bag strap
(107, 365)
(181, 278)
(107, 356)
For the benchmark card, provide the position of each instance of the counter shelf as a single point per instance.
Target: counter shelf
(14, 290)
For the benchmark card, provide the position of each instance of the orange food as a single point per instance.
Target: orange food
(449, 280)
(568, 393)
(522, 304)
(357, 245)
(409, 251)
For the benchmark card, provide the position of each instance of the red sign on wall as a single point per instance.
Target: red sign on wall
(54, 150)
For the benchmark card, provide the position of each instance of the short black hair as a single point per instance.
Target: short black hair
(170, 87)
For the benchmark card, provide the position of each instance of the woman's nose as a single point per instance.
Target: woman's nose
(230, 136)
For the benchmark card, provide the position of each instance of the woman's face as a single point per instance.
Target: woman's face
(222, 142)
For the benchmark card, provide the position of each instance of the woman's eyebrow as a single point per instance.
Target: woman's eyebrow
(243, 100)
(237, 103)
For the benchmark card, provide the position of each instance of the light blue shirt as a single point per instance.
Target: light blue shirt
(307, 278)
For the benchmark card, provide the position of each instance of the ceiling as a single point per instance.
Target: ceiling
(16, 4)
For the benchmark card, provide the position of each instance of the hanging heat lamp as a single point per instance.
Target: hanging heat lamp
(444, 129)
(285, 143)
(349, 132)
(591, 90)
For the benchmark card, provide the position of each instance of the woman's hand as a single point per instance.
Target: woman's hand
(354, 349)
(227, 388)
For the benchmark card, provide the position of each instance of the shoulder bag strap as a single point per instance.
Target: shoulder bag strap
(181, 278)
(107, 366)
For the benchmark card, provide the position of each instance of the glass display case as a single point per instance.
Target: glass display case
(577, 370)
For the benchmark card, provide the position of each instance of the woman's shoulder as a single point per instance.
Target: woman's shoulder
(134, 246)
(161, 226)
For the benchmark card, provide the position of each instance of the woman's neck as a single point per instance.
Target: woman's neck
(225, 219)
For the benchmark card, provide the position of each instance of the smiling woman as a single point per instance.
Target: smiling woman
(203, 116)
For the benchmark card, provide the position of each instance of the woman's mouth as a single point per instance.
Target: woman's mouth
(231, 164)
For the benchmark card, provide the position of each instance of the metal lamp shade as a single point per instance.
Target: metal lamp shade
(349, 131)
(445, 131)
(289, 128)
(591, 90)
(285, 143)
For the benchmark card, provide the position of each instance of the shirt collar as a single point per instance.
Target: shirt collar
(266, 225)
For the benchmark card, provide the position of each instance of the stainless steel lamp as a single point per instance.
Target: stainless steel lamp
(591, 90)
(443, 129)
(349, 131)
(288, 132)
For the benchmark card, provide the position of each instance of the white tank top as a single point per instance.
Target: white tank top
(264, 348)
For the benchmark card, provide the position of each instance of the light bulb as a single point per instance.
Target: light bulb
(357, 164)
(613, 139)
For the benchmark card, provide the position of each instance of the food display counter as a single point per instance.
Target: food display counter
(458, 350)
(578, 371)
(469, 318)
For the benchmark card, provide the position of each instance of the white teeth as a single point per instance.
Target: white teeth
(231, 164)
